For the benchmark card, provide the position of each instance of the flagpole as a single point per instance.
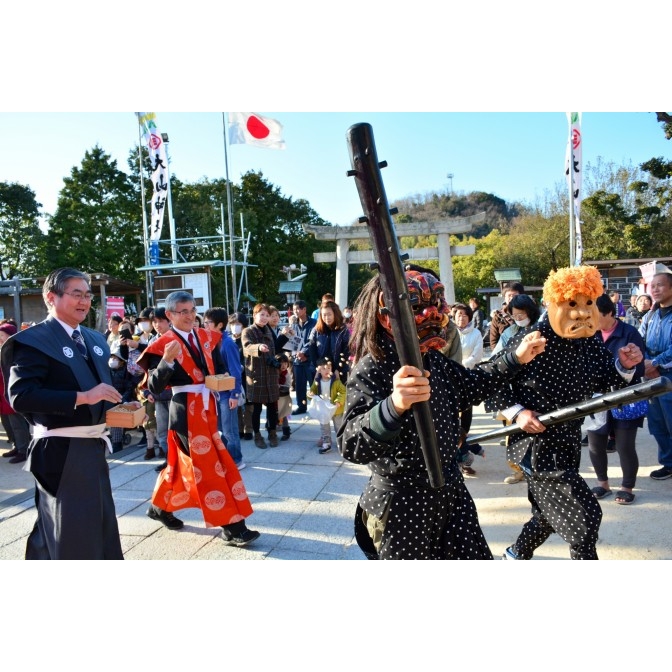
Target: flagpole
(226, 282)
(148, 282)
(229, 208)
(571, 196)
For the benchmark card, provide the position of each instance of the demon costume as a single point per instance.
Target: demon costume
(200, 472)
(45, 370)
(574, 365)
(399, 515)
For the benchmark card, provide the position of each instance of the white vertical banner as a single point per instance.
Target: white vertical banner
(159, 161)
(574, 171)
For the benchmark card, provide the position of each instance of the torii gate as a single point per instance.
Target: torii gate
(443, 251)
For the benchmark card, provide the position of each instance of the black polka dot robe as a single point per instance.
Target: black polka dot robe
(567, 372)
(420, 522)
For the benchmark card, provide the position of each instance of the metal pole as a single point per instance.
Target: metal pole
(244, 273)
(572, 242)
(171, 221)
(229, 208)
(247, 248)
(226, 281)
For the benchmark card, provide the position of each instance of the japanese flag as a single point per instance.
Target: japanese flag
(252, 129)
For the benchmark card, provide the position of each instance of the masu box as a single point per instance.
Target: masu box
(124, 415)
(220, 382)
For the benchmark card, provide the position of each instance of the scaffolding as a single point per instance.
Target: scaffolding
(178, 251)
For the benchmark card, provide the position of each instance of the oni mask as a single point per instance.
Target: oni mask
(430, 309)
(575, 318)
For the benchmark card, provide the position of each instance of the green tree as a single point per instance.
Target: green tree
(21, 239)
(474, 271)
(277, 239)
(629, 215)
(98, 221)
(665, 118)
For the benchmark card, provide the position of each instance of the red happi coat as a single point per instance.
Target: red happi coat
(207, 478)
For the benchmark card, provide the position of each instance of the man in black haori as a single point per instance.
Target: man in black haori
(399, 515)
(58, 378)
(574, 365)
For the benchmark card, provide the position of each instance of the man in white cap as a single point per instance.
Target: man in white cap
(656, 330)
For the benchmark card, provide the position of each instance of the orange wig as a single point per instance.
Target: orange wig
(565, 283)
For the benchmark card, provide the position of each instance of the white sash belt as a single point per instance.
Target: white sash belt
(199, 388)
(78, 432)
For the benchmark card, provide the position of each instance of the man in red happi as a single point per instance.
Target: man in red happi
(200, 472)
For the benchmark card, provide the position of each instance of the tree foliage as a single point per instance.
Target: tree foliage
(277, 239)
(21, 239)
(97, 225)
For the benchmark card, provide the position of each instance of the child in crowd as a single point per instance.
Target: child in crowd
(285, 400)
(130, 350)
(150, 423)
(122, 381)
(328, 386)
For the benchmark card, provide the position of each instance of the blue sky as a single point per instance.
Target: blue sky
(514, 155)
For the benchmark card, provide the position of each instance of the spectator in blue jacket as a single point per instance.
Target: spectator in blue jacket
(618, 304)
(656, 330)
(331, 339)
(302, 366)
(217, 319)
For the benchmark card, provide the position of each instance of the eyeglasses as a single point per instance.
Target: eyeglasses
(79, 296)
(184, 313)
(208, 322)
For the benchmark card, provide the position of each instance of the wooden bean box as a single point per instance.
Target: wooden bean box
(125, 415)
(220, 382)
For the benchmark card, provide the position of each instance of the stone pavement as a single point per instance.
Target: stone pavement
(304, 505)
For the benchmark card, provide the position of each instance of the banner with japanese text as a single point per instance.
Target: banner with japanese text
(159, 161)
(574, 171)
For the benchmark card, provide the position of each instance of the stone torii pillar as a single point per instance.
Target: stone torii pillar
(443, 251)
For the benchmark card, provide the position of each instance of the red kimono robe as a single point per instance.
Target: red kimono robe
(206, 476)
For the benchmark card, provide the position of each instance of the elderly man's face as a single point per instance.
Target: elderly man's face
(578, 318)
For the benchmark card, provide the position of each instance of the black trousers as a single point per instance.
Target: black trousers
(271, 416)
(78, 521)
(561, 502)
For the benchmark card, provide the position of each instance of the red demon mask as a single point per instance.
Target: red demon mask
(430, 310)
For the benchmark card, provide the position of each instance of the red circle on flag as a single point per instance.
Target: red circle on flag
(154, 141)
(576, 138)
(257, 128)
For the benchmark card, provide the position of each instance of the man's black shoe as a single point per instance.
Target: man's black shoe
(298, 411)
(161, 467)
(17, 458)
(11, 453)
(661, 474)
(247, 436)
(165, 517)
(243, 539)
